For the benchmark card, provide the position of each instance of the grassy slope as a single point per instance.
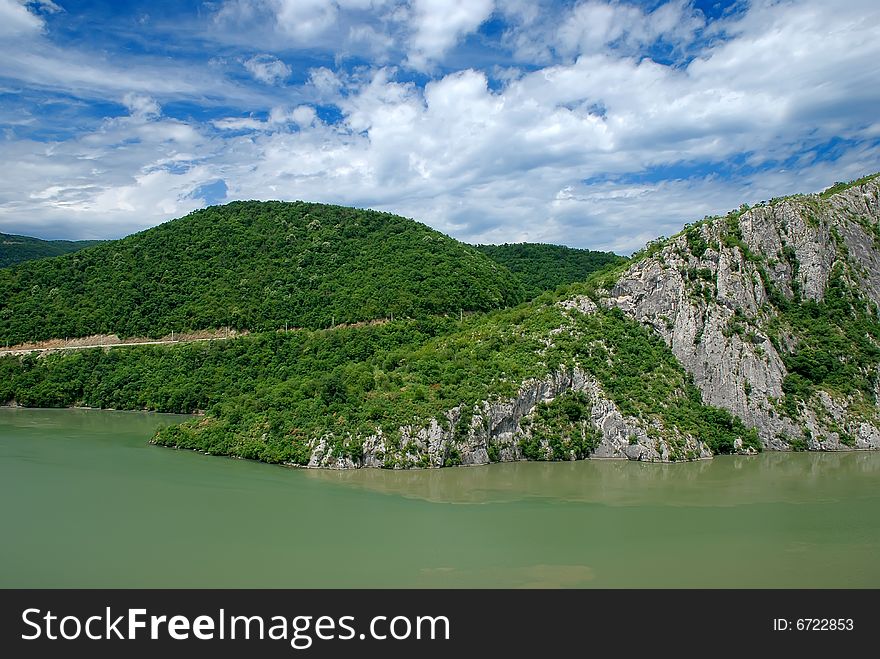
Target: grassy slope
(841, 186)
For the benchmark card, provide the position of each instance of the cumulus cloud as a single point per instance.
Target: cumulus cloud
(141, 106)
(300, 20)
(420, 32)
(350, 28)
(598, 145)
(372, 40)
(325, 83)
(508, 164)
(303, 19)
(594, 25)
(439, 24)
(268, 69)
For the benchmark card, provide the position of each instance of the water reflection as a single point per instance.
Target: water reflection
(132, 515)
(724, 481)
(88, 421)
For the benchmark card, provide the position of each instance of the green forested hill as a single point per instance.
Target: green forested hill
(543, 267)
(18, 249)
(269, 396)
(255, 266)
(591, 368)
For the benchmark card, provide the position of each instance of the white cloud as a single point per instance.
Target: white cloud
(439, 24)
(348, 28)
(539, 33)
(374, 41)
(511, 164)
(595, 25)
(239, 123)
(300, 20)
(268, 69)
(325, 83)
(141, 106)
(37, 64)
(303, 116)
(17, 21)
(574, 151)
(45, 5)
(279, 119)
(304, 19)
(124, 176)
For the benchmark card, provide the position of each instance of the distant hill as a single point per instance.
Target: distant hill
(256, 266)
(18, 249)
(543, 267)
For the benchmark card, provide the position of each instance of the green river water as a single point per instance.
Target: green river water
(87, 502)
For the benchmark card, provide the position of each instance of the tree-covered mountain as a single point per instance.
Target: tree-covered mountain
(256, 266)
(18, 249)
(541, 267)
(758, 329)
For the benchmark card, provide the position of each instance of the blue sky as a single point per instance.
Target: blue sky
(592, 123)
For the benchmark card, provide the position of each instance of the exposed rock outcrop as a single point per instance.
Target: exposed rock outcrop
(707, 292)
(468, 437)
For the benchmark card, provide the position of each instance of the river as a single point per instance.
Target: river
(87, 502)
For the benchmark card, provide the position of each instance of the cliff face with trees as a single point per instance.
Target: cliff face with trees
(754, 330)
(773, 310)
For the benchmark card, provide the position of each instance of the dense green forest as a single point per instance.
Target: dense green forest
(268, 395)
(543, 267)
(254, 266)
(17, 249)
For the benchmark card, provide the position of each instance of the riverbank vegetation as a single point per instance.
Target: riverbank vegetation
(267, 396)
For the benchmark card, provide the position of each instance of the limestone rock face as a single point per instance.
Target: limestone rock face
(711, 305)
(498, 426)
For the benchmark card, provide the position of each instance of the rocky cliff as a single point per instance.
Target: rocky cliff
(762, 307)
(500, 432)
(723, 293)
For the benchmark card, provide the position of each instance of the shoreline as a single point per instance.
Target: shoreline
(16, 406)
(290, 465)
(294, 466)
